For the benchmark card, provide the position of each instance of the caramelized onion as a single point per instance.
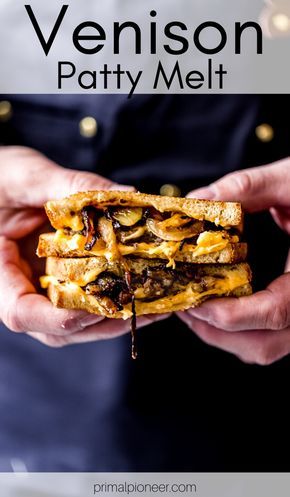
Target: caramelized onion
(107, 233)
(89, 218)
(128, 216)
(175, 228)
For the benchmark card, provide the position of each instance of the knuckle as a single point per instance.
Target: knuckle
(79, 181)
(3, 242)
(8, 251)
(12, 322)
(277, 317)
(54, 341)
(262, 351)
(264, 357)
(242, 182)
(264, 354)
(257, 358)
(245, 358)
(5, 245)
(223, 319)
(104, 184)
(75, 180)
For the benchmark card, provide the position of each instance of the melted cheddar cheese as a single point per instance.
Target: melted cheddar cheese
(208, 242)
(235, 277)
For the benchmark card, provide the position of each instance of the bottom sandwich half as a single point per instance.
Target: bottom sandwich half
(140, 286)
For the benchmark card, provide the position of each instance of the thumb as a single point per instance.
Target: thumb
(68, 181)
(30, 180)
(257, 189)
(61, 182)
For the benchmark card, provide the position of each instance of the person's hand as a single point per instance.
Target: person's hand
(27, 181)
(254, 328)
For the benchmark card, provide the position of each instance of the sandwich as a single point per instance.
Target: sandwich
(121, 224)
(125, 254)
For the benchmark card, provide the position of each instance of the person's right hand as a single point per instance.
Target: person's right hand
(27, 181)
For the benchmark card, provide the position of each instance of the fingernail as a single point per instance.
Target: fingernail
(202, 193)
(155, 317)
(160, 317)
(123, 188)
(143, 321)
(185, 317)
(199, 312)
(90, 320)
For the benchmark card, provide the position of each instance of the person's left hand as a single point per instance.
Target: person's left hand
(256, 328)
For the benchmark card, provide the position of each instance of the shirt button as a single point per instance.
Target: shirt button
(88, 127)
(170, 191)
(5, 111)
(264, 133)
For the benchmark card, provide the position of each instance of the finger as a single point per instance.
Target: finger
(281, 217)
(107, 329)
(41, 179)
(268, 309)
(287, 265)
(15, 223)
(35, 313)
(261, 347)
(23, 310)
(257, 188)
(26, 269)
(151, 318)
(111, 328)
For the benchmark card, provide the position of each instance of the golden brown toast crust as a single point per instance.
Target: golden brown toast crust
(221, 213)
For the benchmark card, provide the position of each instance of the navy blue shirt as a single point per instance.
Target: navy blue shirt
(182, 406)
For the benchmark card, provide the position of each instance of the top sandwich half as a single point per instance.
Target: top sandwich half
(115, 224)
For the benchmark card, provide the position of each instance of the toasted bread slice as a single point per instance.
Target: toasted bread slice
(67, 212)
(67, 278)
(66, 298)
(86, 269)
(54, 246)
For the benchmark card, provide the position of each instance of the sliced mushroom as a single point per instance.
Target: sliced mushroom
(134, 234)
(176, 221)
(128, 216)
(175, 228)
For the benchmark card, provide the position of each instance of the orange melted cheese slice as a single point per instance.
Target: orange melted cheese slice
(189, 297)
(208, 242)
